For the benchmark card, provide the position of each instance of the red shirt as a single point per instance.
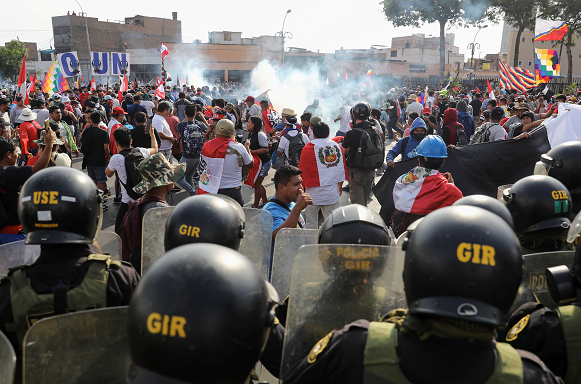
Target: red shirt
(112, 147)
(173, 122)
(28, 134)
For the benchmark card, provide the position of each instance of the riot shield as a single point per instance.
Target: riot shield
(534, 268)
(7, 360)
(575, 229)
(17, 253)
(257, 242)
(108, 243)
(333, 285)
(287, 243)
(152, 237)
(83, 347)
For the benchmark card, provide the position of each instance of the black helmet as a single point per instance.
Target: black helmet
(564, 164)
(538, 202)
(488, 203)
(464, 263)
(356, 225)
(361, 111)
(60, 205)
(199, 307)
(216, 219)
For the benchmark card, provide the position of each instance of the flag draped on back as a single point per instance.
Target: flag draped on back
(546, 65)
(547, 30)
(54, 82)
(515, 78)
(322, 164)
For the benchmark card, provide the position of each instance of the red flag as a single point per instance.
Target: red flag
(159, 92)
(164, 51)
(490, 90)
(135, 84)
(123, 87)
(93, 85)
(22, 74)
(31, 87)
(456, 89)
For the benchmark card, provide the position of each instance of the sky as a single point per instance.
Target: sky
(316, 25)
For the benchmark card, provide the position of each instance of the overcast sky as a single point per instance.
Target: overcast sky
(316, 25)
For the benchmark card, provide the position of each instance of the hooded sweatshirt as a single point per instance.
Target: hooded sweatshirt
(410, 143)
(465, 118)
(449, 125)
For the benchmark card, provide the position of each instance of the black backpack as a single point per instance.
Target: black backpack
(132, 157)
(461, 138)
(370, 153)
(295, 148)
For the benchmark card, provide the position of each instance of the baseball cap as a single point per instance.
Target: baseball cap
(426, 111)
(249, 98)
(119, 111)
(496, 113)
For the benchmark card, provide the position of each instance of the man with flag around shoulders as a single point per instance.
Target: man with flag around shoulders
(224, 162)
(423, 189)
(324, 171)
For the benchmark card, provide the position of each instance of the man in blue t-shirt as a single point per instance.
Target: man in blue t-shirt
(289, 200)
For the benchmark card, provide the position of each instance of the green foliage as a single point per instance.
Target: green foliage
(571, 89)
(11, 59)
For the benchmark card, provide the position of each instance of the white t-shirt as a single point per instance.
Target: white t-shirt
(41, 115)
(115, 103)
(497, 133)
(255, 110)
(430, 102)
(117, 163)
(414, 107)
(283, 145)
(148, 106)
(160, 124)
(232, 174)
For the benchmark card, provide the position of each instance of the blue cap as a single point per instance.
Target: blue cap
(431, 146)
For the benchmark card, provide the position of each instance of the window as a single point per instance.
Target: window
(523, 40)
(552, 41)
(408, 45)
(227, 37)
(393, 53)
(530, 63)
(519, 63)
(62, 30)
(543, 42)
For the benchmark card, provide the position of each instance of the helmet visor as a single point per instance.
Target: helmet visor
(575, 229)
(543, 166)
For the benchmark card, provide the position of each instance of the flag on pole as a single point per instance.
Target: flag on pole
(515, 78)
(263, 96)
(546, 65)
(135, 84)
(30, 89)
(183, 81)
(123, 87)
(54, 82)
(159, 92)
(164, 51)
(22, 77)
(548, 30)
(93, 85)
(490, 90)
(423, 97)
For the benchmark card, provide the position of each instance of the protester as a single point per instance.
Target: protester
(56, 158)
(344, 117)
(192, 140)
(28, 131)
(405, 146)
(414, 106)
(314, 109)
(465, 118)
(95, 148)
(253, 109)
(180, 107)
(292, 140)
(259, 149)
(66, 131)
(453, 133)
(140, 134)
(16, 111)
(134, 108)
(162, 127)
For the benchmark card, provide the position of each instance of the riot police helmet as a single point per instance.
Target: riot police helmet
(361, 111)
(564, 164)
(463, 263)
(488, 203)
(216, 219)
(538, 203)
(201, 314)
(60, 205)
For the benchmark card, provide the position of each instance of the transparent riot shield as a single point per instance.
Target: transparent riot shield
(333, 285)
(287, 243)
(152, 236)
(84, 347)
(108, 243)
(17, 253)
(257, 242)
(534, 269)
(575, 229)
(7, 360)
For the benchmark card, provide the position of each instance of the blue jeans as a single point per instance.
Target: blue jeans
(392, 126)
(6, 238)
(187, 182)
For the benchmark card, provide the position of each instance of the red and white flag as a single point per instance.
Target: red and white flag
(322, 163)
(30, 89)
(490, 90)
(254, 172)
(22, 77)
(421, 191)
(159, 92)
(93, 85)
(164, 51)
(213, 154)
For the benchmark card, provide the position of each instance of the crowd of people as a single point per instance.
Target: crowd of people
(475, 320)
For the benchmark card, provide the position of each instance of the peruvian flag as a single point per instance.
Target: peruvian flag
(254, 172)
(22, 77)
(322, 163)
(159, 92)
(422, 190)
(164, 51)
(30, 89)
(490, 90)
(93, 86)
(213, 154)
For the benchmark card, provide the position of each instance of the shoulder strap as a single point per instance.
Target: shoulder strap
(380, 360)
(232, 151)
(278, 202)
(404, 144)
(569, 316)
(508, 368)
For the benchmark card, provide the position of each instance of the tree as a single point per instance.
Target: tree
(11, 59)
(414, 13)
(518, 13)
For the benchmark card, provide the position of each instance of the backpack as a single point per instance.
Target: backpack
(130, 231)
(482, 134)
(295, 148)
(38, 128)
(132, 157)
(461, 138)
(371, 151)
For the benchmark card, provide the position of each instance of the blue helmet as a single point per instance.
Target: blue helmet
(431, 146)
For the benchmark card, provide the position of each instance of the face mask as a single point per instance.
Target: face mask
(419, 136)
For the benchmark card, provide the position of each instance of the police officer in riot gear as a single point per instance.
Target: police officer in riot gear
(540, 207)
(60, 209)
(564, 164)
(201, 314)
(553, 334)
(488, 203)
(216, 219)
(462, 271)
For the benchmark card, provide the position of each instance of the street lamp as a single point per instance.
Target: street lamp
(474, 45)
(288, 35)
